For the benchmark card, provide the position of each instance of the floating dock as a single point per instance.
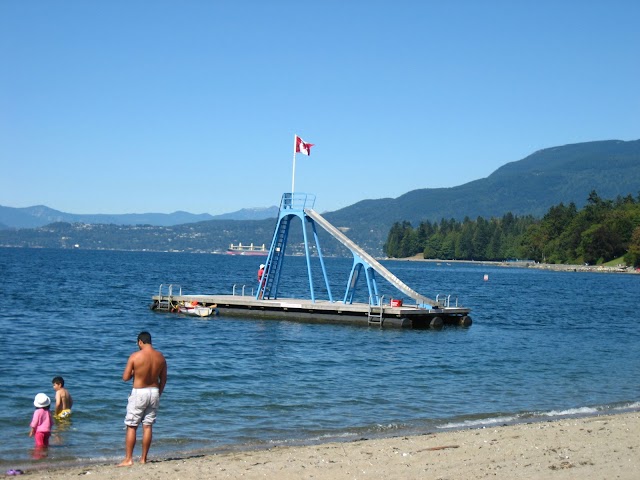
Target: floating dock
(322, 311)
(424, 313)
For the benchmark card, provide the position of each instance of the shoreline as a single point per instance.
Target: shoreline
(601, 446)
(557, 267)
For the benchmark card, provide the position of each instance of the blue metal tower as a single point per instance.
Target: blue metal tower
(300, 205)
(291, 206)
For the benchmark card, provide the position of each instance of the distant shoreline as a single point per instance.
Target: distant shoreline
(530, 264)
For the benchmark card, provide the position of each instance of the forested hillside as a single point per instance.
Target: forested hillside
(529, 186)
(602, 231)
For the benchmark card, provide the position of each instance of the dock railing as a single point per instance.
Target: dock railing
(297, 201)
(445, 300)
(233, 290)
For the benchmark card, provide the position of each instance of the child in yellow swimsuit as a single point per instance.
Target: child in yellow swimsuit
(64, 402)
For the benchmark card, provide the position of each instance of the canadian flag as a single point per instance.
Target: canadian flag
(303, 147)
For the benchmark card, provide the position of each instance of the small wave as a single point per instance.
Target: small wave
(480, 422)
(321, 438)
(631, 406)
(569, 411)
(354, 433)
(593, 410)
(539, 416)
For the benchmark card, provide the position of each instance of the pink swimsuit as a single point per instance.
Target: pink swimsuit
(42, 423)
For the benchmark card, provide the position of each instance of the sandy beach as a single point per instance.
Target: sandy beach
(600, 447)
(530, 264)
(571, 268)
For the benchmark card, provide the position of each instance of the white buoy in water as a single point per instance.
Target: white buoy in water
(486, 277)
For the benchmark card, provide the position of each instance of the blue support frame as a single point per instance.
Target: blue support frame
(370, 277)
(293, 206)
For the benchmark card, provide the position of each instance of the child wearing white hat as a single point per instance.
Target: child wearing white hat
(41, 421)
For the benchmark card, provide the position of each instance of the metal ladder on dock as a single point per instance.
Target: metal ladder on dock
(374, 318)
(165, 300)
(271, 276)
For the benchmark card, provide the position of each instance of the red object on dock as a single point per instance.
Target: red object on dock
(396, 302)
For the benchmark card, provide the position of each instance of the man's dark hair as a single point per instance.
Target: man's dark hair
(145, 337)
(59, 380)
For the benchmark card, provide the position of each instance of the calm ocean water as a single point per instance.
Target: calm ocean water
(543, 345)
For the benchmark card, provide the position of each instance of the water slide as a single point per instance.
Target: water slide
(373, 263)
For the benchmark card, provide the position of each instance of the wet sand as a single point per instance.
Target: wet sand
(599, 447)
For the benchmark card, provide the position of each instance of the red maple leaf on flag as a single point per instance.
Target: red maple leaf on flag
(303, 147)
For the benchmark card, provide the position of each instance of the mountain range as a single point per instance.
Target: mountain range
(39, 215)
(529, 186)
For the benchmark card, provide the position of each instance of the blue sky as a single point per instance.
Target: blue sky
(157, 106)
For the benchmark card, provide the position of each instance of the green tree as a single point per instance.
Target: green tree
(464, 242)
(449, 246)
(632, 256)
(596, 244)
(409, 244)
(393, 245)
(481, 238)
(494, 247)
(433, 248)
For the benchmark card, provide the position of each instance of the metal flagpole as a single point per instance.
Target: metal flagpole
(293, 175)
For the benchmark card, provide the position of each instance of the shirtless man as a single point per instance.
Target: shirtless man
(64, 402)
(148, 368)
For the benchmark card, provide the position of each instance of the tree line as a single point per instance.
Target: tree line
(602, 231)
